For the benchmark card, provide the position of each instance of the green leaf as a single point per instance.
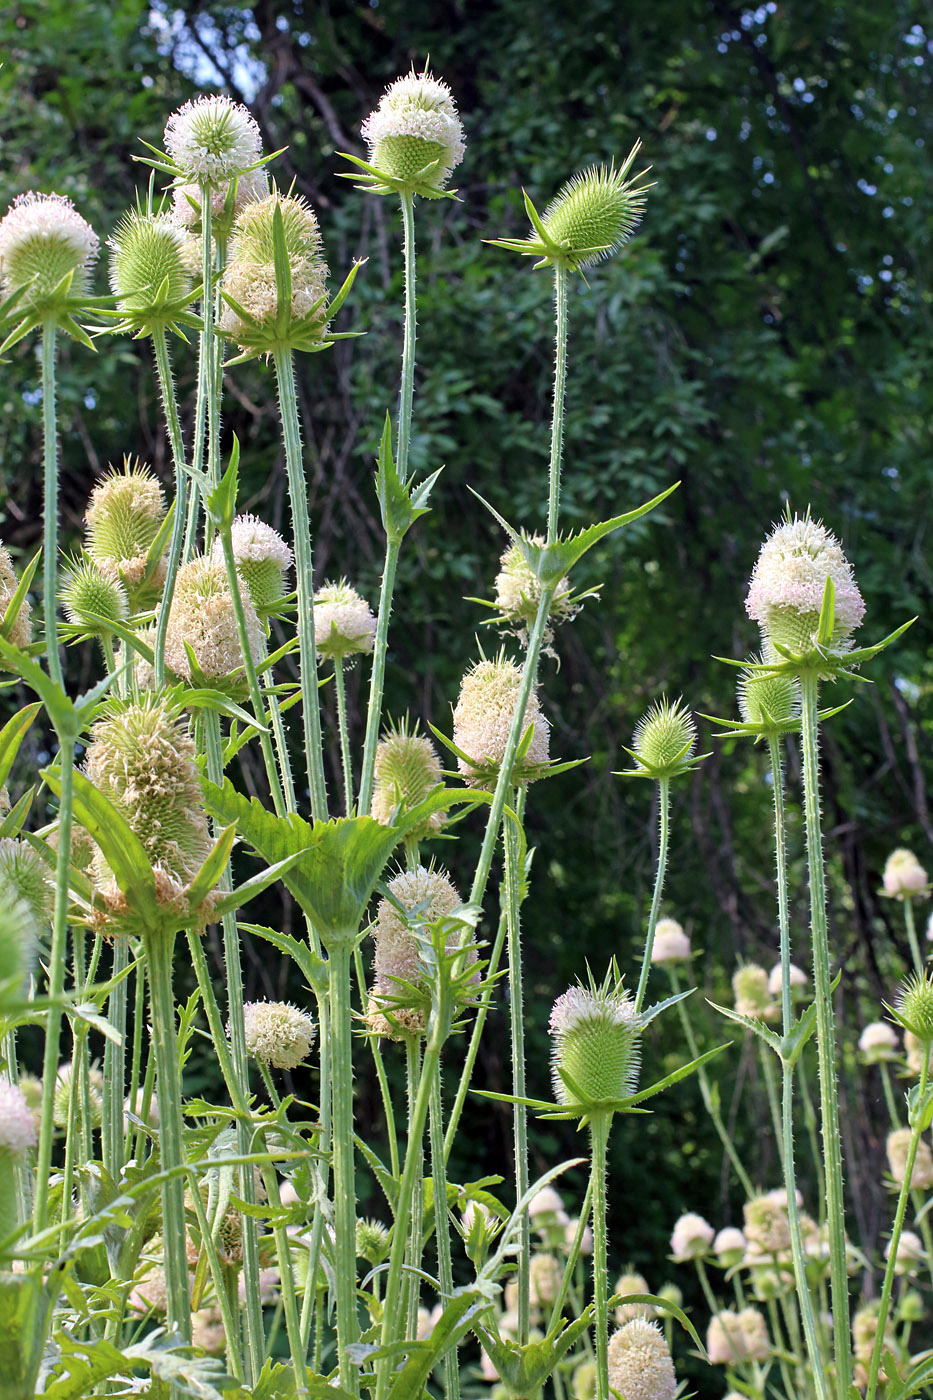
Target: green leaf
(824, 632)
(12, 609)
(283, 271)
(524, 1369)
(313, 967)
(12, 735)
(122, 849)
(221, 503)
(61, 711)
(253, 887)
(668, 1306)
(673, 1078)
(212, 870)
(26, 1303)
(750, 1023)
(454, 1322)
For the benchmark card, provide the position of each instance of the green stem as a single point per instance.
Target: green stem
(664, 803)
(706, 1092)
(304, 574)
(348, 1325)
(786, 1131)
(560, 384)
(903, 1194)
(411, 1285)
(115, 1068)
(567, 1280)
(50, 518)
(176, 441)
(512, 885)
(209, 349)
(442, 1224)
(825, 1036)
(771, 1091)
(159, 947)
(889, 1095)
(809, 1114)
(481, 1012)
(599, 1140)
(912, 936)
(343, 728)
(407, 388)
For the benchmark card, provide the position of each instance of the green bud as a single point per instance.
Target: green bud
(596, 1035)
(407, 769)
(594, 214)
(92, 594)
(372, 1241)
(665, 740)
(145, 253)
(915, 1006)
(768, 700)
(24, 876)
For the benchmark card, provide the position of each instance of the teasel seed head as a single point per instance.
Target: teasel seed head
(632, 1282)
(785, 595)
(145, 252)
(123, 518)
(262, 558)
(665, 739)
(92, 595)
(482, 720)
(21, 631)
(343, 622)
(43, 238)
(671, 944)
(407, 769)
(769, 701)
(433, 895)
(640, 1365)
(729, 1247)
(213, 139)
(904, 877)
(202, 617)
(594, 214)
(897, 1148)
(277, 1033)
(17, 1125)
(596, 1034)
(415, 123)
(249, 276)
(251, 186)
(24, 877)
(372, 1241)
(915, 1006)
(64, 1087)
(752, 997)
(878, 1043)
(691, 1238)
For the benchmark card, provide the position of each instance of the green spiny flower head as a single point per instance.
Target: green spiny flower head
(415, 124)
(64, 1087)
(665, 739)
(640, 1365)
(583, 1381)
(277, 1033)
(122, 520)
(249, 278)
(594, 214)
(213, 139)
(372, 1240)
(344, 624)
(785, 595)
(143, 760)
(202, 618)
(93, 595)
(482, 720)
(43, 238)
(407, 769)
(21, 631)
(262, 558)
(17, 944)
(915, 1006)
(24, 877)
(17, 1125)
(769, 701)
(145, 252)
(596, 1033)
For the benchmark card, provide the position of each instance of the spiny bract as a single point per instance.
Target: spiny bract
(415, 124)
(43, 238)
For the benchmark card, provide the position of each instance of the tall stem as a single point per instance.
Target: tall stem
(115, 1068)
(825, 1036)
(560, 383)
(664, 802)
(804, 1301)
(466, 1074)
(599, 1139)
(407, 388)
(513, 878)
(442, 1224)
(344, 731)
(304, 573)
(50, 521)
(348, 1325)
(911, 927)
(411, 1284)
(173, 427)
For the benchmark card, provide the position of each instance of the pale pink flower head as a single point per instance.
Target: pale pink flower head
(787, 585)
(213, 139)
(17, 1125)
(692, 1238)
(904, 876)
(671, 944)
(42, 239)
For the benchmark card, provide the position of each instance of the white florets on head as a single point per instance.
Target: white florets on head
(213, 139)
(789, 580)
(421, 107)
(671, 944)
(43, 237)
(17, 1125)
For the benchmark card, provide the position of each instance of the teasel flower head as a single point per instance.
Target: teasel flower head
(546, 1210)
(671, 944)
(64, 1088)
(21, 631)
(799, 982)
(586, 1239)
(92, 596)
(43, 240)
(482, 720)
(415, 125)
(207, 1331)
(916, 1051)
(769, 701)
(897, 1148)
(785, 595)
(664, 742)
(518, 590)
(136, 1106)
(640, 1365)
(910, 1253)
(865, 1330)
(752, 997)
(17, 944)
(914, 1006)
(24, 879)
(767, 1225)
(545, 1279)
(729, 1247)
(372, 1241)
(583, 1381)
(595, 1055)
(143, 760)
(213, 139)
(277, 1033)
(17, 1125)
(878, 1043)
(249, 280)
(203, 620)
(148, 274)
(407, 770)
(904, 877)
(262, 559)
(692, 1238)
(123, 518)
(226, 207)
(392, 1022)
(343, 622)
(632, 1282)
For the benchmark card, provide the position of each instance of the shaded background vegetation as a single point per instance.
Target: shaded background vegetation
(765, 339)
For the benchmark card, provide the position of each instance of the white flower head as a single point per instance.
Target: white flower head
(343, 621)
(17, 1124)
(671, 944)
(213, 138)
(42, 239)
(415, 123)
(877, 1042)
(904, 876)
(798, 980)
(786, 590)
(691, 1238)
(277, 1033)
(640, 1365)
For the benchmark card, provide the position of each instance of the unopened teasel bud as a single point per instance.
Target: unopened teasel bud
(407, 769)
(594, 214)
(596, 1044)
(664, 740)
(145, 254)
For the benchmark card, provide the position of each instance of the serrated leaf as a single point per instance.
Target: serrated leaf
(122, 849)
(221, 502)
(12, 735)
(674, 1077)
(454, 1322)
(12, 610)
(61, 711)
(750, 1023)
(212, 870)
